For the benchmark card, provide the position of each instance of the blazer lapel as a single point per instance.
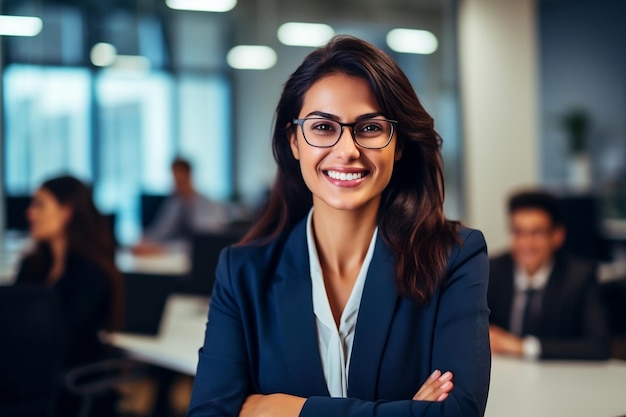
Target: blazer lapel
(296, 322)
(375, 314)
(552, 300)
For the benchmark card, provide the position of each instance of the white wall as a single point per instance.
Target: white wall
(498, 76)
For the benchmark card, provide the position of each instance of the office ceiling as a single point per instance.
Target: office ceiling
(326, 5)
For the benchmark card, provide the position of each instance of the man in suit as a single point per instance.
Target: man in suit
(184, 213)
(545, 303)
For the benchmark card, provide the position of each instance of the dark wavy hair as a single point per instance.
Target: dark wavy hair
(89, 236)
(410, 219)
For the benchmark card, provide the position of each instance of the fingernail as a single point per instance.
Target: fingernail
(446, 385)
(445, 376)
(434, 374)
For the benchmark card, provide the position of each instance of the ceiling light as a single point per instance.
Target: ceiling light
(202, 5)
(20, 25)
(305, 34)
(412, 41)
(255, 57)
(103, 54)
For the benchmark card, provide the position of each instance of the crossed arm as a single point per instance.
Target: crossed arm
(435, 388)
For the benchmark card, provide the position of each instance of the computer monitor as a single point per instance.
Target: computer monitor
(150, 206)
(205, 252)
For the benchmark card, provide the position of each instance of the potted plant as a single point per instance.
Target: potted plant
(576, 123)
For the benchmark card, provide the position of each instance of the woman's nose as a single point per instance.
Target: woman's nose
(346, 146)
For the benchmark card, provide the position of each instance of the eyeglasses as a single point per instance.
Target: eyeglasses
(533, 233)
(367, 133)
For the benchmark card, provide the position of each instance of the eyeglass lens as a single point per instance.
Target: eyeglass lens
(369, 133)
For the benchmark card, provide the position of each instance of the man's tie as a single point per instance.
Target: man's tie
(532, 310)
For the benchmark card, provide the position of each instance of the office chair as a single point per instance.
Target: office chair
(92, 381)
(31, 351)
(614, 293)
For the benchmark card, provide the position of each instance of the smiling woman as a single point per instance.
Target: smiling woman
(338, 170)
(353, 284)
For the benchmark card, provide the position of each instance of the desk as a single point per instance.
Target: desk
(13, 246)
(518, 388)
(172, 262)
(554, 389)
(175, 261)
(180, 335)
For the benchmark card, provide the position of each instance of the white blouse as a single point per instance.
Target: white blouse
(335, 344)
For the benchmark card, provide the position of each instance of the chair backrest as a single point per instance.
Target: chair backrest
(614, 293)
(205, 252)
(31, 351)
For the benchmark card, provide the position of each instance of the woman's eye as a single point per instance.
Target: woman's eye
(370, 128)
(325, 127)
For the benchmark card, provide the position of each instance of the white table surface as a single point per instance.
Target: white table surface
(175, 261)
(556, 388)
(518, 388)
(181, 334)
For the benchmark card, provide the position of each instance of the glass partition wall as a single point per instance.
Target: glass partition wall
(111, 91)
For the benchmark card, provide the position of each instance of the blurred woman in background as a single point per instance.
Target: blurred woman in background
(74, 255)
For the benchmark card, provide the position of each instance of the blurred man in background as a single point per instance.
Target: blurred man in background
(545, 304)
(183, 214)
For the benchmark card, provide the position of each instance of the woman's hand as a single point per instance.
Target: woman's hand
(436, 388)
(272, 405)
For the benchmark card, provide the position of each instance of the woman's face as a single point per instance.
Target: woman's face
(345, 176)
(47, 216)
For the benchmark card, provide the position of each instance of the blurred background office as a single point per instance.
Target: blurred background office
(112, 90)
(524, 93)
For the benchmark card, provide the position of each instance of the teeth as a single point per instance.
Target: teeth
(342, 176)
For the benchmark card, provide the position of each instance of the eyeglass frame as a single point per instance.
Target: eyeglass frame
(300, 122)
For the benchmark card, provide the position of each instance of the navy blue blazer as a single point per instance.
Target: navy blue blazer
(261, 335)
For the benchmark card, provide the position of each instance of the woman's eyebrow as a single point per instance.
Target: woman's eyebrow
(369, 115)
(322, 114)
(334, 117)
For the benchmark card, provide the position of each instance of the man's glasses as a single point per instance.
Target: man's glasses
(367, 133)
(533, 233)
